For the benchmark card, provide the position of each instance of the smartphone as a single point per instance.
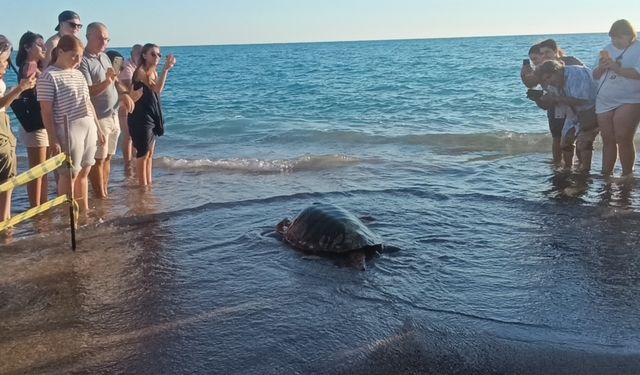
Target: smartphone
(526, 62)
(534, 94)
(117, 63)
(31, 69)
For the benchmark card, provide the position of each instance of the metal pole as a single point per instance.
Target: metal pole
(72, 216)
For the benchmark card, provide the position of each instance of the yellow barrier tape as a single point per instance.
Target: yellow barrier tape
(35, 172)
(33, 212)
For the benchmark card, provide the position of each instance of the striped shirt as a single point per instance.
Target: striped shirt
(68, 92)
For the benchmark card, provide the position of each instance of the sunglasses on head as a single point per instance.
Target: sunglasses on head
(75, 25)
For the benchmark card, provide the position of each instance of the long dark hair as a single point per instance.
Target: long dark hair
(26, 41)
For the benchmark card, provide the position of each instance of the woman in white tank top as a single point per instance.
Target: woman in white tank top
(618, 97)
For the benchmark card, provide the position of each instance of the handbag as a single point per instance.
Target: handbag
(27, 111)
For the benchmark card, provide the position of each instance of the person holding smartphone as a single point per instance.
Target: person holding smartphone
(31, 54)
(125, 78)
(8, 160)
(539, 53)
(618, 99)
(577, 97)
(146, 121)
(107, 96)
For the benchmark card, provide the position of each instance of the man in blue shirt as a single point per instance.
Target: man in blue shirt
(576, 96)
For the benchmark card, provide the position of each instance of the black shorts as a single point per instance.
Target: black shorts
(555, 124)
(142, 138)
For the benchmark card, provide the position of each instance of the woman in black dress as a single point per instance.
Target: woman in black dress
(146, 121)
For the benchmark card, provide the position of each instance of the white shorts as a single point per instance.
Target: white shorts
(110, 127)
(84, 137)
(38, 138)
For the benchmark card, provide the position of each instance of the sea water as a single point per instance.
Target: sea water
(506, 265)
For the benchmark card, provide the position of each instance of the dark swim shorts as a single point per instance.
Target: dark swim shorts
(555, 124)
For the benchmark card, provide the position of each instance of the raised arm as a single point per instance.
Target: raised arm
(25, 84)
(168, 65)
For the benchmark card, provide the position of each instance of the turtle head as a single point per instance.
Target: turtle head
(282, 226)
(357, 260)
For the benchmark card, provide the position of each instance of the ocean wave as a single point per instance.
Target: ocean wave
(502, 141)
(246, 165)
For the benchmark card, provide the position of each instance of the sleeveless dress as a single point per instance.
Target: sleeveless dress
(146, 120)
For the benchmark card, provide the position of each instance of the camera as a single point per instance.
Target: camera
(533, 94)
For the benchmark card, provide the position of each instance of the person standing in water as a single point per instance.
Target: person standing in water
(618, 97)
(146, 121)
(106, 96)
(8, 160)
(31, 54)
(125, 77)
(68, 24)
(63, 93)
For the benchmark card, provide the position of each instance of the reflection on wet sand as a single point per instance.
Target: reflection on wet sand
(61, 311)
(567, 186)
(617, 192)
(421, 349)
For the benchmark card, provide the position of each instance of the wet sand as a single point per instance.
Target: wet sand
(101, 310)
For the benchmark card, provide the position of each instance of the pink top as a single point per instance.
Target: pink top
(127, 72)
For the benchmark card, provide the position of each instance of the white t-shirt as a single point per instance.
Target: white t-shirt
(615, 90)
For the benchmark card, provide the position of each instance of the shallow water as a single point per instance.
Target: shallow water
(507, 266)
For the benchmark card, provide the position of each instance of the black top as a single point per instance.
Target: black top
(147, 112)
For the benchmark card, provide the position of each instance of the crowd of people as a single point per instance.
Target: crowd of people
(78, 99)
(582, 103)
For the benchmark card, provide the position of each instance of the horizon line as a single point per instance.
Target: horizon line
(368, 40)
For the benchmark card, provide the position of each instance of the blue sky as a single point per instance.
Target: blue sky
(194, 22)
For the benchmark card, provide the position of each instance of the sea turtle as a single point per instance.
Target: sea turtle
(329, 230)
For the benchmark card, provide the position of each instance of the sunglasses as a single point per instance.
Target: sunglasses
(75, 25)
(156, 54)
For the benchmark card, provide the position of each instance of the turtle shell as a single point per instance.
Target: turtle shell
(327, 228)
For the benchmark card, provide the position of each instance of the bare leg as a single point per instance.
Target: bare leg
(625, 124)
(97, 179)
(64, 182)
(44, 186)
(585, 162)
(556, 151)
(150, 164)
(126, 138)
(141, 170)
(106, 173)
(81, 188)
(5, 205)
(609, 146)
(567, 144)
(37, 189)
